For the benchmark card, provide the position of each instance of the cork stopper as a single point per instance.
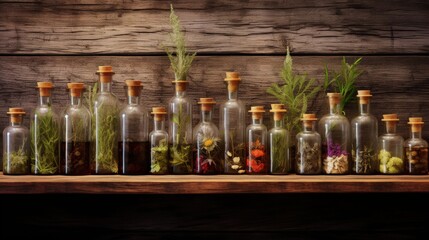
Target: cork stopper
(134, 87)
(257, 112)
(416, 124)
(334, 98)
(106, 73)
(16, 114)
(391, 121)
(364, 96)
(180, 85)
(206, 104)
(75, 89)
(233, 79)
(308, 119)
(159, 113)
(278, 110)
(45, 88)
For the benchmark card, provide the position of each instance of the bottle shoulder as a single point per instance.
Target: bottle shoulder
(416, 142)
(21, 129)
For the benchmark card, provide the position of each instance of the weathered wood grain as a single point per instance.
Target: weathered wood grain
(220, 184)
(399, 84)
(140, 27)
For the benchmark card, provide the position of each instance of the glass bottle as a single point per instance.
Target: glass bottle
(16, 151)
(75, 134)
(334, 129)
(206, 140)
(256, 135)
(134, 146)
(364, 137)
(279, 142)
(45, 134)
(232, 125)
(159, 142)
(308, 154)
(390, 152)
(180, 130)
(416, 149)
(105, 126)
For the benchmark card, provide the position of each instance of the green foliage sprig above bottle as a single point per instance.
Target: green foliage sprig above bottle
(295, 92)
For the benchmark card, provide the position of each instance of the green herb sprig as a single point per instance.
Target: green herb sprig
(17, 162)
(295, 92)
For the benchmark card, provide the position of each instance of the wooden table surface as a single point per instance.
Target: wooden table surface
(193, 184)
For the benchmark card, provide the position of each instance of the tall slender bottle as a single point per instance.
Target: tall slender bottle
(16, 148)
(106, 124)
(257, 161)
(364, 137)
(180, 130)
(232, 126)
(206, 141)
(159, 142)
(45, 134)
(390, 148)
(308, 155)
(75, 134)
(134, 146)
(416, 149)
(334, 128)
(279, 139)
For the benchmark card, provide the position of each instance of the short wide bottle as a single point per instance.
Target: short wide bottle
(416, 149)
(256, 134)
(16, 151)
(390, 148)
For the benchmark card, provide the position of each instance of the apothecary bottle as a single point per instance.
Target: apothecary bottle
(278, 141)
(416, 149)
(105, 126)
(75, 134)
(134, 146)
(159, 143)
(45, 134)
(257, 159)
(364, 137)
(206, 141)
(308, 154)
(334, 129)
(232, 126)
(16, 148)
(180, 130)
(390, 148)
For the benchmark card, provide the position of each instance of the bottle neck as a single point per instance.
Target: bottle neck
(133, 100)
(256, 121)
(105, 87)
(206, 116)
(45, 101)
(416, 134)
(309, 126)
(180, 94)
(76, 101)
(334, 109)
(364, 109)
(278, 124)
(16, 124)
(159, 125)
(232, 95)
(391, 128)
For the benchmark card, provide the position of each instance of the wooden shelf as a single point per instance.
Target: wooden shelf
(192, 184)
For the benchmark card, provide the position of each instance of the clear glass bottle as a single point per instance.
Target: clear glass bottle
(334, 129)
(256, 135)
(75, 134)
(232, 126)
(45, 134)
(364, 137)
(159, 143)
(416, 149)
(206, 141)
(390, 148)
(16, 148)
(180, 130)
(106, 123)
(279, 142)
(308, 154)
(134, 146)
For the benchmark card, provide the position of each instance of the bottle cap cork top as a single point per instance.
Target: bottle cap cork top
(364, 93)
(75, 85)
(16, 110)
(207, 101)
(390, 117)
(334, 95)
(308, 117)
(44, 85)
(232, 76)
(133, 83)
(179, 81)
(257, 109)
(105, 69)
(276, 107)
(159, 110)
(416, 120)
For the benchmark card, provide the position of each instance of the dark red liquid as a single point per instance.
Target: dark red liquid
(134, 158)
(74, 158)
